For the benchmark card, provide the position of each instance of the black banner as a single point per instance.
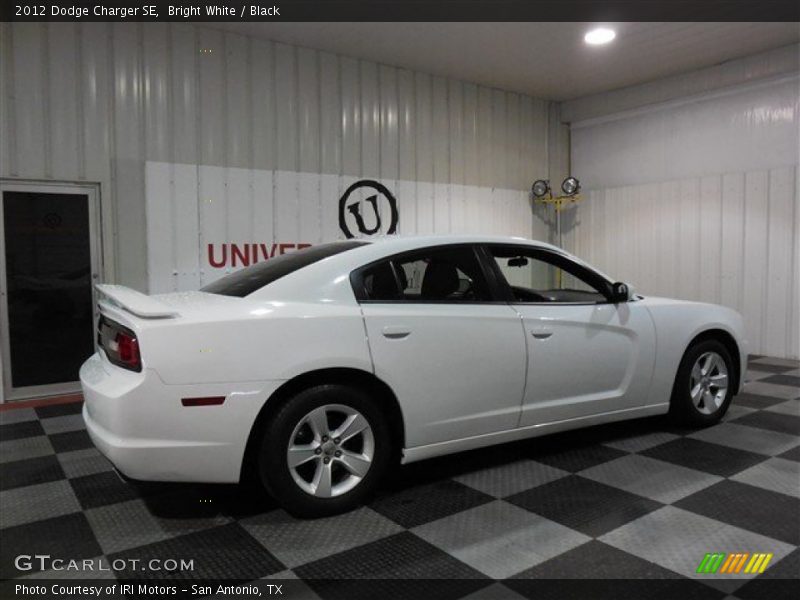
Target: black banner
(401, 10)
(390, 589)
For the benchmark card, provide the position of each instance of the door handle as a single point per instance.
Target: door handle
(541, 334)
(396, 332)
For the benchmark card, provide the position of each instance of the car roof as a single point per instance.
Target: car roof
(399, 243)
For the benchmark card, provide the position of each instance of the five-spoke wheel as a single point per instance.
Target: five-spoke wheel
(704, 384)
(708, 385)
(330, 450)
(324, 448)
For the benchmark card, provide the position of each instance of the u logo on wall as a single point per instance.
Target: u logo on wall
(363, 206)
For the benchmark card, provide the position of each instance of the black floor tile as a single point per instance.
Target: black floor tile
(748, 507)
(71, 440)
(756, 401)
(103, 488)
(201, 500)
(587, 506)
(30, 472)
(597, 570)
(782, 379)
(704, 456)
(577, 458)
(66, 537)
(765, 419)
(415, 506)
(402, 566)
(59, 410)
(599, 561)
(225, 552)
(778, 582)
(793, 454)
(16, 431)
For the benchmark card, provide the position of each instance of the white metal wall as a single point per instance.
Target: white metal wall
(190, 207)
(728, 239)
(94, 101)
(757, 67)
(698, 198)
(742, 128)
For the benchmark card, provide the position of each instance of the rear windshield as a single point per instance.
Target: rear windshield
(252, 278)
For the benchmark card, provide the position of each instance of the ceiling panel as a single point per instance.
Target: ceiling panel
(548, 60)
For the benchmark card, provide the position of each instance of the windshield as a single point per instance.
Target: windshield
(252, 278)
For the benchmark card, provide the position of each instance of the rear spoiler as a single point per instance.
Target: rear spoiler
(135, 302)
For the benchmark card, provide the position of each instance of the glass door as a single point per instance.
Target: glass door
(48, 267)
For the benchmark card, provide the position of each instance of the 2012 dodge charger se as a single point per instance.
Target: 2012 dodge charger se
(317, 369)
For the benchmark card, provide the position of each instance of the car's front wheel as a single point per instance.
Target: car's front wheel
(704, 386)
(324, 450)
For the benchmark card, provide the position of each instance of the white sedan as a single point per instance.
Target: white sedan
(317, 370)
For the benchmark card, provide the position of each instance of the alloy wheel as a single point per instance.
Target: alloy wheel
(330, 450)
(708, 383)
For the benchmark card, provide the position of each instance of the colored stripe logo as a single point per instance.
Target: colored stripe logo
(734, 563)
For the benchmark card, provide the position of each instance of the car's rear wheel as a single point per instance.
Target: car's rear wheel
(324, 450)
(704, 386)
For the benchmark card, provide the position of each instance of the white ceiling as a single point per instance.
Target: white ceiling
(548, 60)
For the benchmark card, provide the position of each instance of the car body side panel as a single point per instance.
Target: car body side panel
(249, 340)
(457, 370)
(142, 426)
(586, 359)
(677, 324)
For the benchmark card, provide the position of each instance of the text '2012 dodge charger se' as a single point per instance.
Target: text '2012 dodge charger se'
(316, 370)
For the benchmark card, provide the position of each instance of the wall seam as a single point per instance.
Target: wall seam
(11, 110)
(142, 142)
(80, 116)
(171, 153)
(320, 129)
(112, 148)
(198, 118)
(274, 141)
(47, 125)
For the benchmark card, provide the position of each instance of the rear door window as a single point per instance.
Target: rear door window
(440, 274)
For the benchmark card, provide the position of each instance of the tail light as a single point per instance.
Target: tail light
(128, 348)
(120, 344)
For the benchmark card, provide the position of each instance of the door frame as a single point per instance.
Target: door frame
(92, 191)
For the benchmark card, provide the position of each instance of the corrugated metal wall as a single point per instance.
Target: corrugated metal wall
(742, 128)
(728, 239)
(205, 221)
(698, 198)
(94, 102)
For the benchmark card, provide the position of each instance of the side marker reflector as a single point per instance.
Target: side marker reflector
(206, 401)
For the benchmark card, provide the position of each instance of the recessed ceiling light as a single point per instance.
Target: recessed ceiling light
(601, 35)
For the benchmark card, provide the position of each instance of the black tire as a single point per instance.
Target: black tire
(682, 407)
(273, 466)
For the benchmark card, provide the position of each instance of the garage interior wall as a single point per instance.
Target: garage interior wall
(698, 197)
(238, 139)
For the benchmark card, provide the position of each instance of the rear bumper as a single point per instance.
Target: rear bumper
(139, 423)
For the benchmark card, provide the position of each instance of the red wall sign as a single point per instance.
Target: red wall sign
(221, 256)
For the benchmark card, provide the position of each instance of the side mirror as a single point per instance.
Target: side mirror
(620, 292)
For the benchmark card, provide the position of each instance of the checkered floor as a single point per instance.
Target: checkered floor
(638, 500)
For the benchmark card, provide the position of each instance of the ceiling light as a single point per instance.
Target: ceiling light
(599, 36)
